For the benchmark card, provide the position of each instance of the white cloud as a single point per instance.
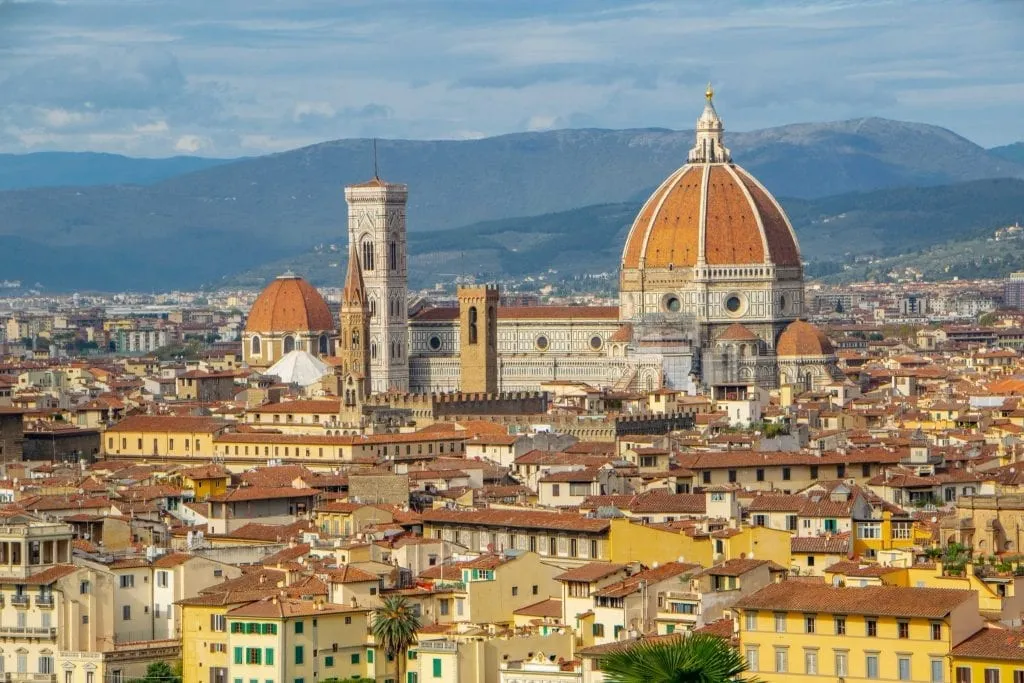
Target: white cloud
(152, 128)
(307, 109)
(541, 122)
(60, 118)
(190, 144)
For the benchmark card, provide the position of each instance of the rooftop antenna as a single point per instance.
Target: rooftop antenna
(376, 175)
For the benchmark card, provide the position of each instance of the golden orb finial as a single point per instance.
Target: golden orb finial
(710, 92)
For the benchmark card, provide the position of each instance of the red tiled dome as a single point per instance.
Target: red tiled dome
(289, 304)
(803, 339)
(717, 210)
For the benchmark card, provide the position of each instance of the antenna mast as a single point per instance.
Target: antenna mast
(375, 173)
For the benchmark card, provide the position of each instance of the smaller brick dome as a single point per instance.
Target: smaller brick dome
(737, 332)
(289, 304)
(801, 338)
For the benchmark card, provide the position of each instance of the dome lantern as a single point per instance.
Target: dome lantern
(709, 147)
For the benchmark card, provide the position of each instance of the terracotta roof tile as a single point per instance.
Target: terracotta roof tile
(929, 603)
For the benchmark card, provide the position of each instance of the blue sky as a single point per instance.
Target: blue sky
(244, 77)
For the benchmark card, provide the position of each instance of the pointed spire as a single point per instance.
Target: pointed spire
(354, 293)
(709, 148)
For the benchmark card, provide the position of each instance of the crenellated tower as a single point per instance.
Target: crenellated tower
(376, 233)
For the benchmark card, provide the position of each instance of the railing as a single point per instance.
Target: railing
(45, 601)
(438, 645)
(37, 631)
(19, 600)
(87, 656)
(14, 677)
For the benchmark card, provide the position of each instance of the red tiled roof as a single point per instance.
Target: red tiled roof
(896, 601)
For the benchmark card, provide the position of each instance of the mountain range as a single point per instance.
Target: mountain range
(157, 228)
(834, 232)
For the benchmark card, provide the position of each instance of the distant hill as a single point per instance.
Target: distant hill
(833, 231)
(235, 216)
(1014, 152)
(60, 169)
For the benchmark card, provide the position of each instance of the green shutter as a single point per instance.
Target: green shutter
(329, 661)
(270, 656)
(298, 627)
(369, 656)
(437, 667)
(238, 655)
(670, 628)
(299, 654)
(355, 658)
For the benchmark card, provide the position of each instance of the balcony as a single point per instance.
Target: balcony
(20, 600)
(44, 601)
(29, 632)
(437, 646)
(14, 677)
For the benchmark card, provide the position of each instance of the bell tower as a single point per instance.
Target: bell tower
(478, 339)
(376, 231)
(355, 334)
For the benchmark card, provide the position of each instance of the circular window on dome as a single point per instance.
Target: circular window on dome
(672, 303)
(434, 343)
(542, 343)
(596, 342)
(733, 303)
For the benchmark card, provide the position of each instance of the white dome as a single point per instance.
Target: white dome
(299, 367)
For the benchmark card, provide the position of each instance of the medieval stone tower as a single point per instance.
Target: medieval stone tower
(353, 341)
(478, 339)
(376, 230)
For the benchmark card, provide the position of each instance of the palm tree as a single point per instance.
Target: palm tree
(394, 629)
(697, 658)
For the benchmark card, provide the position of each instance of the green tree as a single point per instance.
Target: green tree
(698, 658)
(394, 628)
(160, 672)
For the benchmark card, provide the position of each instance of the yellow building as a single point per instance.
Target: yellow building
(286, 639)
(992, 655)
(204, 636)
(205, 480)
(162, 436)
(816, 632)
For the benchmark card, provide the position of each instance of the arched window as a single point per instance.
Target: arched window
(367, 255)
(373, 350)
(373, 308)
(393, 255)
(355, 339)
(472, 324)
(289, 344)
(255, 345)
(323, 345)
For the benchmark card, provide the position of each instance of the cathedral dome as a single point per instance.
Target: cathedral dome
(289, 304)
(710, 211)
(801, 338)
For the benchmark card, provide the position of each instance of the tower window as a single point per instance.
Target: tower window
(355, 340)
(323, 345)
(367, 255)
(472, 325)
(393, 255)
(255, 346)
(596, 342)
(373, 350)
(289, 344)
